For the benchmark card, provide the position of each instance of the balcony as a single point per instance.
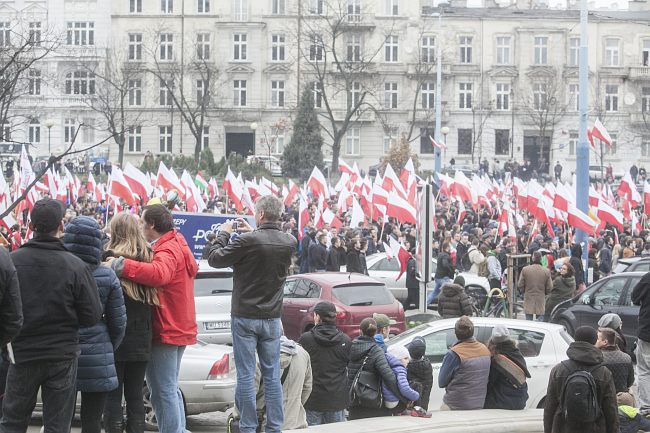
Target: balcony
(639, 118)
(81, 52)
(465, 69)
(415, 70)
(614, 71)
(64, 101)
(639, 73)
(364, 116)
(358, 21)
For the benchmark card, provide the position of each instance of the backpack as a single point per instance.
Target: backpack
(579, 399)
(483, 269)
(465, 263)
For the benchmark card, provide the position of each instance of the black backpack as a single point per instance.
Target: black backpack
(579, 400)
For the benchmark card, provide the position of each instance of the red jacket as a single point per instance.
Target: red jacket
(172, 271)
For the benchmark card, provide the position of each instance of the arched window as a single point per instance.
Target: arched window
(80, 83)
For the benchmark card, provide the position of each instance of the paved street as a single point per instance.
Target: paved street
(214, 422)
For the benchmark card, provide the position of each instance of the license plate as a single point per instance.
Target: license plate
(221, 324)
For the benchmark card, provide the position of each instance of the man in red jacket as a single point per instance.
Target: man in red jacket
(174, 322)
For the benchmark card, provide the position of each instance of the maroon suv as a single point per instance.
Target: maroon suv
(356, 297)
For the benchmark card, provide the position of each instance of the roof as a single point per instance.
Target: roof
(639, 17)
(492, 321)
(334, 279)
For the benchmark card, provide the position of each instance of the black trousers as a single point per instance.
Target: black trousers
(92, 407)
(130, 375)
(412, 298)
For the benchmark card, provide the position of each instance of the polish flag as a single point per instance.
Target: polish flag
(599, 132)
(445, 183)
(608, 214)
(580, 220)
(562, 197)
(138, 181)
(234, 189)
(590, 137)
(400, 209)
(345, 200)
(317, 183)
(462, 212)
(167, 179)
(92, 189)
(303, 216)
(436, 144)
(594, 196)
(119, 187)
(213, 188)
(392, 182)
(193, 200)
(402, 255)
(345, 168)
(462, 187)
(407, 173)
(291, 193)
(379, 199)
(329, 218)
(357, 215)
(646, 198)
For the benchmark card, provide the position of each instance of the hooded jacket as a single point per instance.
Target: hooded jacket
(401, 377)
(501, 393)
(563, 289)
(11, 311)
(641, 296)
(454, 302)
(363, 347)
(583, 355)
(576, 262)
(329, 351)
(420, 371)
(96, 371)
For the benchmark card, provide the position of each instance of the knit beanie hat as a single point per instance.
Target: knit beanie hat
(417, 348)
(399, 352)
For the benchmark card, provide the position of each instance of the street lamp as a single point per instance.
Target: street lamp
(254, 128)
(444, 131)
(438, 159)
(49, 123)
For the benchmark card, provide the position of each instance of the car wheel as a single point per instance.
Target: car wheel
(567, 326)
(150, 421)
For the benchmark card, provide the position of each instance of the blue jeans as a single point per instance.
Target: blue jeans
(57, 381)
(438, 283)
(540, 317)
(329, 417)
(261, 336)
(162, 379)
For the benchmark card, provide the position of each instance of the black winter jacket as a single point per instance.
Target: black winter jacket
(11, 310)
(333, 264)
(454, 302)
(584, 355)
(620, 364)
(260, 261)
(57, 300)
(444, 266)
(317, 257)
(366, 346)
(96, 371)
(353, 263)
(420, 371)
(501, 393)
(411, 274)
(641, 296)
(329, 351)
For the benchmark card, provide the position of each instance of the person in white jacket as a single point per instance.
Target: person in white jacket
(475, 256)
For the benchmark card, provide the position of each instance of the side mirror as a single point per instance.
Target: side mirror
(586, 300)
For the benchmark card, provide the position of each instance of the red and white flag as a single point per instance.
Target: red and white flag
(462, 187)
(580, 220)
(646, 198)
(317, 183)
(234, 189)
(167, 179)
(462, 212)
(291, 193)
(138, 181)
(119, 187)
(303, 216)
(437, 144)
(400, 209)
(402, 255)
(357, 215)
(600, 132)
(608, 214)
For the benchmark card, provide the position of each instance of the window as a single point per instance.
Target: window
(167, 6)
(81, 33)
(529, 342)
(503, 50)
(166, 46)
(428, 49)
(392, 7)
(278, 7)
(611, 97)
(134, 139)
(354, 95)
(541, 50)
(35, 32)
(428, 95)
(69, 130)
(645, 151)
(240, 44)
(135, 6)
(34, 132)
(354, 10)
(633, 282)
(438, 344)
(390, 96)
(574, 94)
(135, 46)
(80, 83)
(426, 147)
(465, 96)
(607, 294)
(503, 96)
(612, 52)
(539, 96)
(646, 52)
(465, 141)
(645, 100)
(502, 141)
(278, 48)
(5, 34)
(239, 98)
(135, 92)
(277, 93)
(353, 141)
(301, 288)
(205, 138)
(354, 47)
(165, 92)
(165, 135)
(574, 51)
(203, 46)
(390, 138)
(34, 82)
(240, 10)
(465, 49)
(202, 93)
(317, 91)
(316, 49)
(573, 143)
(317, 7)
(203, 6)
(278, 144)
(391, 49)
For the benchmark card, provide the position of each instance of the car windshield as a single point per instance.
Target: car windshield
(213, 284)
(363, 294)
(621, 267)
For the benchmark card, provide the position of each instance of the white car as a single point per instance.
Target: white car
(212, 295)
(386, 270)
(543, 345)
(272, 163)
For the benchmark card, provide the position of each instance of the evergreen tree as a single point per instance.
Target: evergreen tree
(305, 149)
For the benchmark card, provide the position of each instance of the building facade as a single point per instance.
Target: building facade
(228, 74)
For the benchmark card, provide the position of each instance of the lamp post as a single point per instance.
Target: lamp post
(253, 127)
(49, 123)
(438, 159)
(582, 162)
(444, 131)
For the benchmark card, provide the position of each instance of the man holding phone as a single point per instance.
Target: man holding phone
(260, 260)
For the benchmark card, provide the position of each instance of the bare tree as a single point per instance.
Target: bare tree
(193, 101)
(340, 62)
(480, 116)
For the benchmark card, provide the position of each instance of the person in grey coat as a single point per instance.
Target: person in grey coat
(96, 374)
(535, 282)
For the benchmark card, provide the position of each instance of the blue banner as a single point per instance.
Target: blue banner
(196, 226)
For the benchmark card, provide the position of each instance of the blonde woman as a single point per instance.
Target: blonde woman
(132, 356)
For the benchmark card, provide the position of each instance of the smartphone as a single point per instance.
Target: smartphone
(234, 225)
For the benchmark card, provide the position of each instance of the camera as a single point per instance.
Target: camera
(234, 225)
